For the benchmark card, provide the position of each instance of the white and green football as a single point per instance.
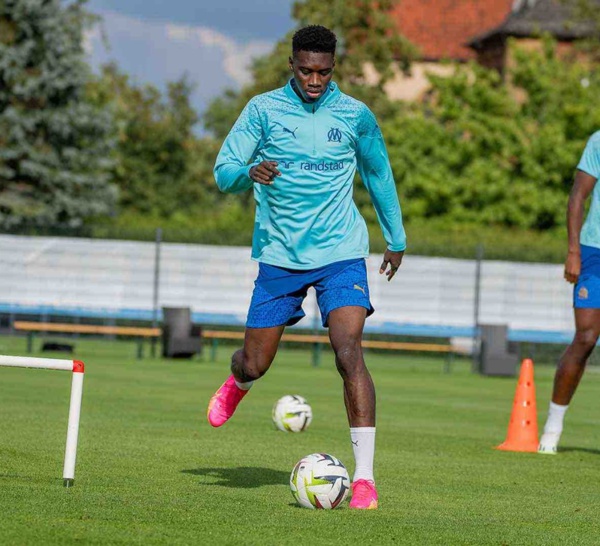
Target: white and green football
(320, 481)
(292, 413)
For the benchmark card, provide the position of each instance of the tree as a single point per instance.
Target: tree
(586, 14)
(489, 152)
(366, 35)
(155, 145)
(54, 145)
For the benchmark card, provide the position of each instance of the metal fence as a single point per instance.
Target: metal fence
(131, 280)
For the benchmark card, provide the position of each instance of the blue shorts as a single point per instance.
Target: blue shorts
(586, 294)
(279, 292)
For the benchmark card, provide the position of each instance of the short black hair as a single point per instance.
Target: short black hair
(315, 38)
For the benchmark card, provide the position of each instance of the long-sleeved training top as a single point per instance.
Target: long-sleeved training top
(590, 164)
(307, 218)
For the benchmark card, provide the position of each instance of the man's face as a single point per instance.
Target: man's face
(312, 72)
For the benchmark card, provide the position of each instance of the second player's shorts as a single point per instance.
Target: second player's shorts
(279, 292)
(586, 294)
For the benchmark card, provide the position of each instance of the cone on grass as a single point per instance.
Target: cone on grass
(523, 428)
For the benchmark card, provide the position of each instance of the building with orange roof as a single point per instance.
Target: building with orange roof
(441, 30)
(466, 30)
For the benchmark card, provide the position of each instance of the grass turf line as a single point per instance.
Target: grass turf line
(151, 470)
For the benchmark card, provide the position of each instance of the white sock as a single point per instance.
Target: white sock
(363, 444)
(244, 386)
(556, 415)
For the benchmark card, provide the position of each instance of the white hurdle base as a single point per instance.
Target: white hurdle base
(77, 367)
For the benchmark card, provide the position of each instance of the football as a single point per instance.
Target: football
(292, 413)
(319, 481)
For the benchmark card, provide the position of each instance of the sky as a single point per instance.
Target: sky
(213, 41)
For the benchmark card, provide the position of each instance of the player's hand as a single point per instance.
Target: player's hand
(393, 259)
(265, 172)
(572, 266)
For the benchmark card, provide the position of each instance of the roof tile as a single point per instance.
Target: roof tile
(442, 28)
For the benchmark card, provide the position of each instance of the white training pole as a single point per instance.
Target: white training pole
(45, 363)
(73, 428)
(77, 368)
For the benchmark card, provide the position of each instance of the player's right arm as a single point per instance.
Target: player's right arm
(588, 172)
(234, 171)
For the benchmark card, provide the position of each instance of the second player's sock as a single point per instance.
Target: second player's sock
(363, 445)
(556, 415)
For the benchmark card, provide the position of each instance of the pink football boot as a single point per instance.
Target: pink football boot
(223, 403)
(364, 495)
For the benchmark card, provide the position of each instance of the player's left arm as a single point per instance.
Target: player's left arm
(376, 173)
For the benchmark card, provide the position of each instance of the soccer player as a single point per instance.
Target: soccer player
(298, 147)
(582, 268)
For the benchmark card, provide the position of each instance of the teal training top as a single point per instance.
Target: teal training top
(590, 163)
(307, 217)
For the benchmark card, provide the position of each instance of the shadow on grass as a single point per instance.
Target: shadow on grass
(241, 476)
(580, 449)
(11, 476)
(39, 480)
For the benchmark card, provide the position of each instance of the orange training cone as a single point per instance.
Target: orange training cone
(523, 429)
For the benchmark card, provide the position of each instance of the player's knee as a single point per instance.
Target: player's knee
(586, 339)
(348, 358)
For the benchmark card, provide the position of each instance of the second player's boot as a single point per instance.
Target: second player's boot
(224, 402)
(549, 443)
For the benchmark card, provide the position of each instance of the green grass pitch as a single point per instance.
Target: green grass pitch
(150, 469)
